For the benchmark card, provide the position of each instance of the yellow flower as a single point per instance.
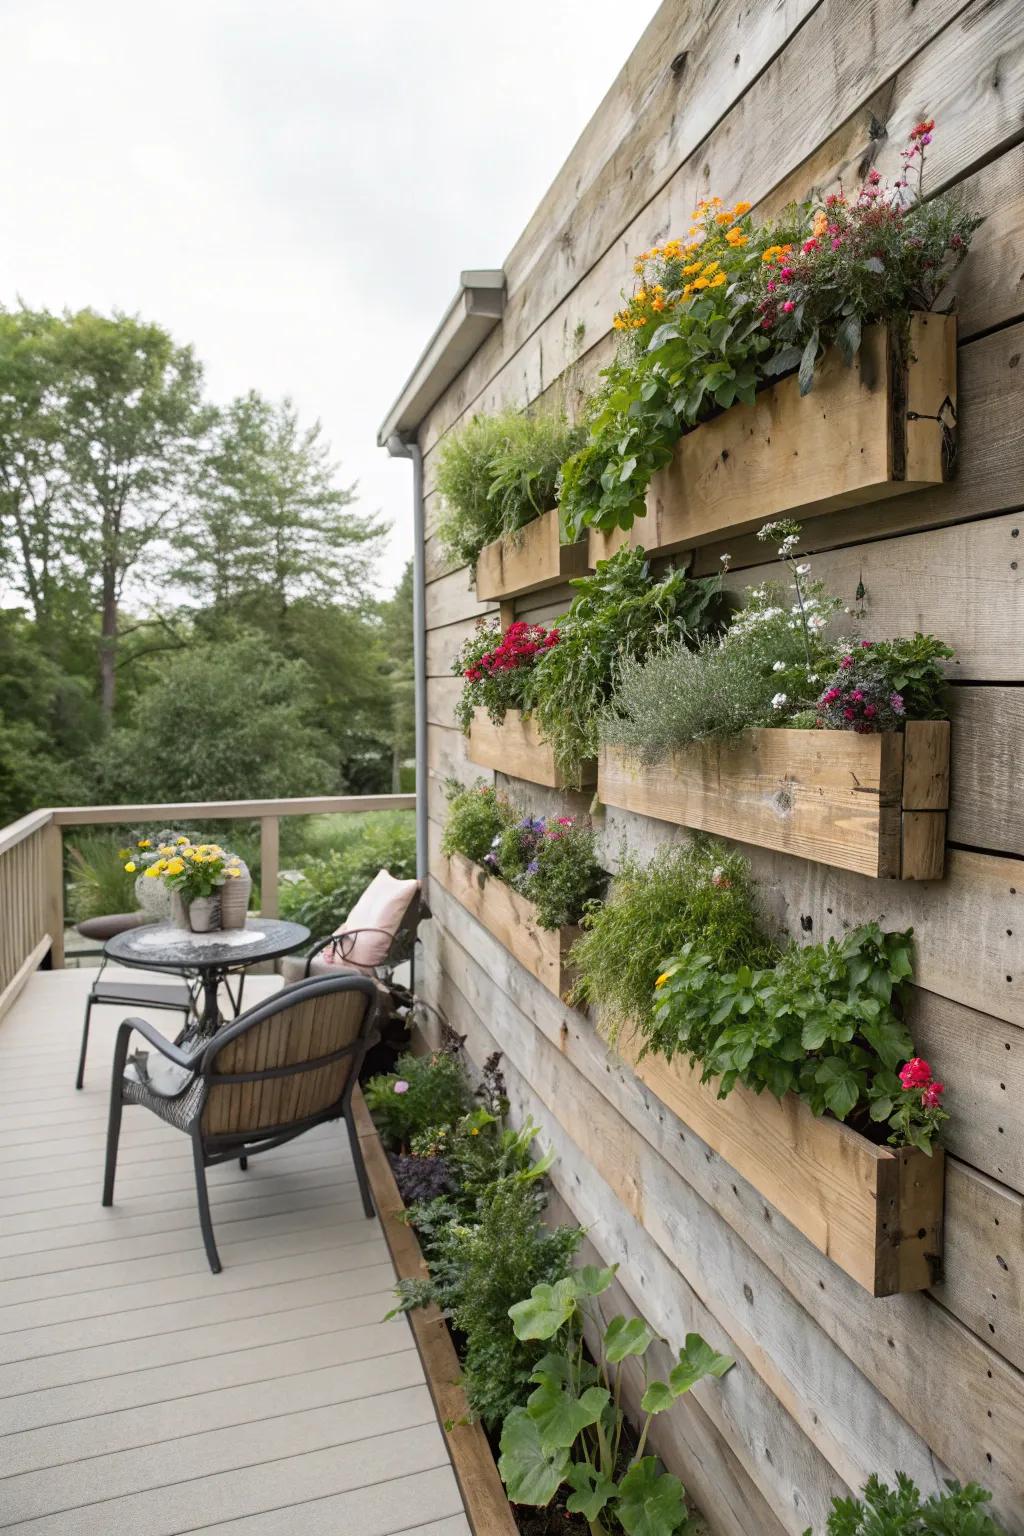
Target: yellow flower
(662, 979)
(735, 238)
(176, 866)
(234, 873)
(165, 847)
(723, 218)
(742, 208)
(701, 282)
(144, 842)
(475, 1131)
(640, 296)
(129, 868)
(695, 266)
(618, 323)
(716, 282)
(711, 268)
(181, 842)
(153, 872)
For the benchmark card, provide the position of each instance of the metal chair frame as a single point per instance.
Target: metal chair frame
(401, 948)
(210, 1150)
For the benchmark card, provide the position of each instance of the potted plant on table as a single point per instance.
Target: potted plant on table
(209, 887)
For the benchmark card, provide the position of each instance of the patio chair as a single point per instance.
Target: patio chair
(175, 997)
(231, 1103)
(358, 948)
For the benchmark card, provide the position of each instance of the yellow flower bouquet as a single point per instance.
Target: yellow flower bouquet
(194, 873)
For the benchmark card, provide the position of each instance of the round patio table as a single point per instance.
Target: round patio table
(210, 956)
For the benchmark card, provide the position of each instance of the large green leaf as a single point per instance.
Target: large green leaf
(561, 1416)
(650, 1502)
(545, 1310)
(531, 1473)
(591, 1491)
(696, 1360)
(624, 1338)
(657, 1398)
(591, 1281)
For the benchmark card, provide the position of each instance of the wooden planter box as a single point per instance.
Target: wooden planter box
(875, 804)
(480, 1484)
(874, 1211)
(534, 558)
(509, 917)
(516, 747)
(863, 433)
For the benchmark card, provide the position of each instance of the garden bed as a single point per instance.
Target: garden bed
(864, 433)
(516, 747)
(510, 918)
(875, 1211)
(533, 559)
(873, 803)
(482, 1490)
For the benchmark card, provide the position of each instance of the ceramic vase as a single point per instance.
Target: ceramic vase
(204, 914)
(179, 912)
(234, 899)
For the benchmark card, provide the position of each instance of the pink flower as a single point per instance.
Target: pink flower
(836, 243)
(896, 703)
(849, 714)
(846, 661)
(874, 177)
(916, 1073)
(809, 246)
(856, 696)
(786, 274)
(870, 711)
(771, 285)
(866, 645)
(401, 1086)
(932, 1094)
(788, 307)
(565, 821)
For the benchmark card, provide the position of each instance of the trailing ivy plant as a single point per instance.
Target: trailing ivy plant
(901, 1511)
(618, 613)
(570, 1432)
(826, 1022)
(496, 474)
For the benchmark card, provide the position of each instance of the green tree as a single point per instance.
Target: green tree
(397, 640)
(224, 721)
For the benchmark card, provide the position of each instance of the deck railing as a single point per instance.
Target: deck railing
(32, 864)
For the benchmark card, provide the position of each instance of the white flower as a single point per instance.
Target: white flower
(779, 666)
(787, 546)
(779, 700)
(816, 621)
(802, 570)
(725, 559)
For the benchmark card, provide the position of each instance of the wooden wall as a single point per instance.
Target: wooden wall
(767, 99)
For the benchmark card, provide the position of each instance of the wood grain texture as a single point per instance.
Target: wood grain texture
(531, 559)
(511, 919)
(516, 747)
(482, 1490)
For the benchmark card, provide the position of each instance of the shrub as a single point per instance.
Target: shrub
(496, 474)
(826, 1022)
(617, 614)
(651, 911)
(499, 669)
(331, 885)
(476, 819)
(422, 1094)
(900, 1511)
(96, 880)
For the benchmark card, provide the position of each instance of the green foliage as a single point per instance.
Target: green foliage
(696, 891)
(570, 1432)
(552, 862)
(499, 669)
(617, 614)
(901, 1511)
(826, 1023)
(332, 883)
(496, 474)
(223, 722)
(97, 883)
(423, 1093)
(476, 819)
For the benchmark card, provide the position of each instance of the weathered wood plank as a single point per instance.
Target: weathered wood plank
(529, 561)
(516, 748)
(452, 599)
(986, 807)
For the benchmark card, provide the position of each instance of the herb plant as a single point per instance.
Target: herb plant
(422, 1093)
(697, 891)
(901, 1511)
(616, 614)
(570, 1432)
(476, 818)
(496, 474)
(499, 669)
(826, 1022)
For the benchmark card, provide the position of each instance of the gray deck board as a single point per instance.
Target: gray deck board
(140, 1393)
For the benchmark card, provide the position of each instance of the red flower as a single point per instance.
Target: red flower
(920, 129)
(916, 1073)
(932, 1094)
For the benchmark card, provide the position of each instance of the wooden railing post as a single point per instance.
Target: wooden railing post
(269, 841)
(53, 865)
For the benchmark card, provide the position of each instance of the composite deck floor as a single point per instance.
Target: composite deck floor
(138, 1392)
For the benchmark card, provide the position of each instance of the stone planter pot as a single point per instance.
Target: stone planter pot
(234, 900)
(153, 898)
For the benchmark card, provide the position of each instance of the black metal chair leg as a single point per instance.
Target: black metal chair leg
(116, 1110)
(79, 1080)
(357, 1158)
(243, 1162)
(209, 1242)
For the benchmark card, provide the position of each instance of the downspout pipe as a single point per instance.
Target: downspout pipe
(399, 448)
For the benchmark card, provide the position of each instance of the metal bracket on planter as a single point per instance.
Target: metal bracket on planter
(946, 417)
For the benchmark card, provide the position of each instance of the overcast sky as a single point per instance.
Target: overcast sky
(291, 185)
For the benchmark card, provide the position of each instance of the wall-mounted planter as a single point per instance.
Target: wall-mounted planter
(516, 747)
(864, 433)
(479, 1482)
(533, 559)
(510, 918)
(875, 804)
(874, 1211)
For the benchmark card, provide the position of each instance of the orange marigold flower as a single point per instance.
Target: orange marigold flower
(716, 282)
(695, 266)
(658, 304)
(820, 225)
(723, 218)
(742, 208)
(701, 282)
(736, 238)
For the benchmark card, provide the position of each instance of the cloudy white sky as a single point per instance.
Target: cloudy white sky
(291, 185)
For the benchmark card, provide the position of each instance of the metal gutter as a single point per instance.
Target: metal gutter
(471, 316)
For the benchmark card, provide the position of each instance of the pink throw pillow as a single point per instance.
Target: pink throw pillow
(382, 905)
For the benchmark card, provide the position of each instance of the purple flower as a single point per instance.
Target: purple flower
(533, 867)
(491, 859)
(532, 824)
(896, 703)
(401, 1086)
